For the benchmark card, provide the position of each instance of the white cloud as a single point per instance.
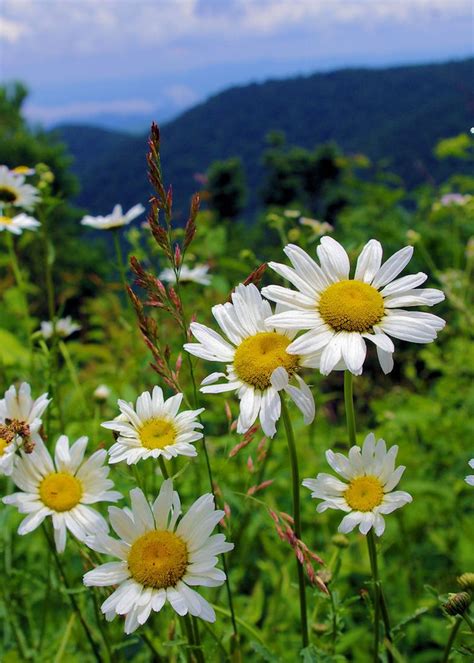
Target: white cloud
(11, 31)
(87, 109)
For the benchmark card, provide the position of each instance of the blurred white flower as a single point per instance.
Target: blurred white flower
(367, 497)
(64, 327)
(62, 489)
(454, 199)
(17, 224)
(23, 170)
(162, 557)
(198, 274)
(341, 313)
(319, 228)
(14, 191)
(102, 392)
(470, 477)
(115, 220)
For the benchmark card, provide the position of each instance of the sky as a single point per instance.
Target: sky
(121, 63)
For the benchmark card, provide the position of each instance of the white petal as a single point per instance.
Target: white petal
(392, 267)
(368, 262)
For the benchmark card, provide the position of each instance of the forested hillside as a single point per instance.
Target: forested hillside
(392, 115)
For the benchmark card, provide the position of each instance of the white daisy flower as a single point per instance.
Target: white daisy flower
(369, 494)
(258, 364)
(20, 406)
(62, 489)
(23, 170)
(160, 558)
(17, 224)
(64, 327)
(101, 392)
(470, 477)
(154, 428)
(116, 219)
(14, 191)
(198, 274)
(341, 313)
(7, 453)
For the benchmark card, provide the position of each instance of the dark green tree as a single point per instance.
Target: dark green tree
(226, 188)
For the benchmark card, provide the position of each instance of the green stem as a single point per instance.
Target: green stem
(163, 469)
(72, 598)
(349, 407)
(20, 283)
(375, 577)
(468, 621)
(195, 649)
(120, 261)
(296, 516)
(452, 636)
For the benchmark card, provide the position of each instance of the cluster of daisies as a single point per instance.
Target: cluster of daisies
(161, 553)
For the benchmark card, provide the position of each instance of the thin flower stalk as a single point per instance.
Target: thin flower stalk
(297, 517)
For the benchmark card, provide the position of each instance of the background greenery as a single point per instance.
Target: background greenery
(425, 406)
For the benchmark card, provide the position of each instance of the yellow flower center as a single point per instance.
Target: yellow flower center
(258, 356)
(22, 170)
(7, 194)
(158, 559)
(60, 491)
(157, 433)
(364, 493)
(5, 220)
(351, 306)
(3, 445)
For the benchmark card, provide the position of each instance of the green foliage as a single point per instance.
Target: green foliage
(425, 406)
(226, 188)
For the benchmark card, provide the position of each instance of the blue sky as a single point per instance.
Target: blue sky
(134, 60)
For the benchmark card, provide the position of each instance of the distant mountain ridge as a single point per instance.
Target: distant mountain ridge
(395, 114)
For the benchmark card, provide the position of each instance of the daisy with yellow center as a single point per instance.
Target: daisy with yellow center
(342, 312)
(116, 219)
(17, 224)
(14, 192)
(258, 363)
(62, 489)
(368, 494)
(161, 557)
(154, 428)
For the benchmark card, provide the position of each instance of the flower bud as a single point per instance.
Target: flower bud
(294, 234)
(340, 541)
(457, 603)
(466, 582)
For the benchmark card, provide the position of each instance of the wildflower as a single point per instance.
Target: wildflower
(197, 274)
(470, 477)
(319, 228)
(116, 219)
(160, 558)
(154, 428)
(454, 199)
(63, 327)
(368, 496)
(14, 191)
(341, 313)
(101, 393)
(17, 224)
(18, 405)
(23, 170)
(62, 489)
(258, 364)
